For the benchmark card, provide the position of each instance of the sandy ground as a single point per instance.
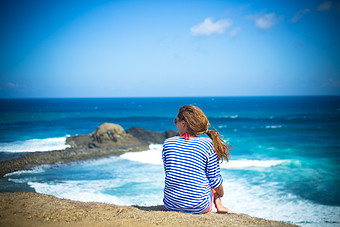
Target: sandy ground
(33, 209)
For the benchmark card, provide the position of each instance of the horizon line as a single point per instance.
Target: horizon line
(231, 96)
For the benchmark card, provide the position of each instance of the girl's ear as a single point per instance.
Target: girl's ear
(185, 124)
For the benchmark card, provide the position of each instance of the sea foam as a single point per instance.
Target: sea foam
(241, 196)
(264, 199)
(274, 126)
(36, 169)
(154, 156)
(151, 156)
(104, 190)
(85, 191)
(269, 201)
(34, 145)
(242, 164)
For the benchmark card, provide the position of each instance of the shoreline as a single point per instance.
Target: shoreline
(30, 160)
(108, 139)
(34, 209)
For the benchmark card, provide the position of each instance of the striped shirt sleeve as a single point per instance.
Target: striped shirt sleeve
(213, 171)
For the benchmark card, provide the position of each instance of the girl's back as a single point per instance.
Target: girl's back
(191, 169)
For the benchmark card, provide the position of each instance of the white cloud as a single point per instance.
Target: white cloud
(325, 6)
(12, 85)
(297, 16)
(235, 31)
(208, 27)
(267, 21)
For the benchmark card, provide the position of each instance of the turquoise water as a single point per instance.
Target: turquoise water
(285, 165)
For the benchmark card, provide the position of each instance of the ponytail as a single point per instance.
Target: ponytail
(221, 148)
(197, 124)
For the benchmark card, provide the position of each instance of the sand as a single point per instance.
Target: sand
(34, 209)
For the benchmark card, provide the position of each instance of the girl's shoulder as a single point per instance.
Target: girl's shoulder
(200, 141)
(197, 139)
(172, 138)
(207, 142)
(205, 139)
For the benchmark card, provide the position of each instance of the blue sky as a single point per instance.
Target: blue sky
(169, 48)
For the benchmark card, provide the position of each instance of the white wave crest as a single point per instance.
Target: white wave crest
(274, 126)
(229, 116)
(151, 156)
(37, 169)
(76, 190)
(34, 145)
(270, 202)
(96, 191)
(154, 156)
(243, 164)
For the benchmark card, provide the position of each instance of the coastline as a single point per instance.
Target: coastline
(34, 209)
(30, 160)
(109, 139)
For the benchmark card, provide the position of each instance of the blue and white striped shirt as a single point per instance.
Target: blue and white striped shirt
(191, 169)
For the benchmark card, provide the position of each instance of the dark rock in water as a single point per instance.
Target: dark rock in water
(107, 139)
(79, 141)
(109, 134)
(170, 133)
(151, 137)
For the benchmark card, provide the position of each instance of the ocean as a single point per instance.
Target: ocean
(284, 165)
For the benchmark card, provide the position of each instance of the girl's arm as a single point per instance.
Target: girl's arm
(219, 190)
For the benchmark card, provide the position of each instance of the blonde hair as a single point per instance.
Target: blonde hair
(198, 123)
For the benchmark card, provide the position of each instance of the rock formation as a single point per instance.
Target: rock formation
(151, 137)
(107, 139)
(109, 134)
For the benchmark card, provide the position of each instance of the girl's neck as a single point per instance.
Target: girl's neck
(186, 135)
